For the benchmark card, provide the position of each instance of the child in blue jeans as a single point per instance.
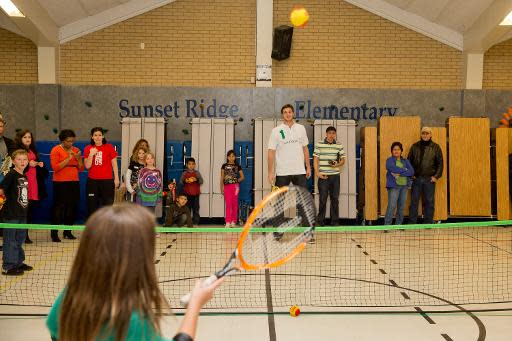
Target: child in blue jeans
(398, 182)
(15, 188)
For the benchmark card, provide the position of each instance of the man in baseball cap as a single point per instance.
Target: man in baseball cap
(427, 160)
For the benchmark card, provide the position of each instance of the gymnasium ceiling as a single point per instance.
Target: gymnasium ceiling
(468, 25)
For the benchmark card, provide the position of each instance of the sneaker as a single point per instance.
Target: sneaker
(228, 225)
(278, 236)
(312, 241)
(25, 267)
(13, 272)
(69, 235)
(56, 239)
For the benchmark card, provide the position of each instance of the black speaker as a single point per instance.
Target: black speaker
(282, 42)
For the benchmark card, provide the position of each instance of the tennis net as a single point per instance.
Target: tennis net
(440, 266)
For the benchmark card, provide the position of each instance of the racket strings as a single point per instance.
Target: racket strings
(266, 248)
(291, 214)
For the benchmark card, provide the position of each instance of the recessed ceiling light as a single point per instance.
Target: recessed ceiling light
(507, 21)
(11, 9)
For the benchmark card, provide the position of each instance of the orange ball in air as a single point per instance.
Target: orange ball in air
(299, 17)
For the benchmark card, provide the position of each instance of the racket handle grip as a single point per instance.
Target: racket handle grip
(207, 282)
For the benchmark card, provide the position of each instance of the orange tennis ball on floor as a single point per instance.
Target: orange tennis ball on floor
(299, 17)
(294, 311)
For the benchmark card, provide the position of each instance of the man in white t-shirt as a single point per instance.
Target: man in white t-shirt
(288, 154)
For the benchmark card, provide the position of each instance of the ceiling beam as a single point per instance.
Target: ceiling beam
(412, 21)
(505, 37)
(485, 31)
(107, 18)
(37, 24)
(7, 24)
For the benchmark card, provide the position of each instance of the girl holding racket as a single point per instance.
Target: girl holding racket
(112, 292)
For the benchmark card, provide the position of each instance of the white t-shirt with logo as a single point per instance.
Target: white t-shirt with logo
(288, 142)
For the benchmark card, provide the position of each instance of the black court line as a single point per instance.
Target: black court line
(163, 253)
(490, 244)
(393, 283)
(446, 337)
(366, 253)
(404, 295)
(481, 327)
(425, 316)
(270, 305)
(382, 271)
(270, 308)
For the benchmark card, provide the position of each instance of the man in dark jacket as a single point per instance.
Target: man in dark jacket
(427, 160)
(7, 146)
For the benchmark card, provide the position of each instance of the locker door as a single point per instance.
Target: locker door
(211, 139)
(134, 129)
(262, 130)
(345, 132)
(350, 152)
(153, 130)
(201, 152)
(223, 139)
(258, 160)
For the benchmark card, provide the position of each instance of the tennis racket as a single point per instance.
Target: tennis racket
(289, 214)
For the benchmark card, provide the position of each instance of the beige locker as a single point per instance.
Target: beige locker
(211, 140)
(346, 135)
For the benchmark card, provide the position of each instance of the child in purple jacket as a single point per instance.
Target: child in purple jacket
(398, 181)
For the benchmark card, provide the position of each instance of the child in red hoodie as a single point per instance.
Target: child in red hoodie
(192, 180)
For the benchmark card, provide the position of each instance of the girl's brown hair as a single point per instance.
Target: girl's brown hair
(138, 145)
(19, 144)
(135, 154)
(113, 276)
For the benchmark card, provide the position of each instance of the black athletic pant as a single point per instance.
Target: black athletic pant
(329, 187)
(297, 180)
(193, 204)
(66, 198)
(99, 193)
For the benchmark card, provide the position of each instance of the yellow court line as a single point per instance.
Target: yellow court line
(8, 284)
